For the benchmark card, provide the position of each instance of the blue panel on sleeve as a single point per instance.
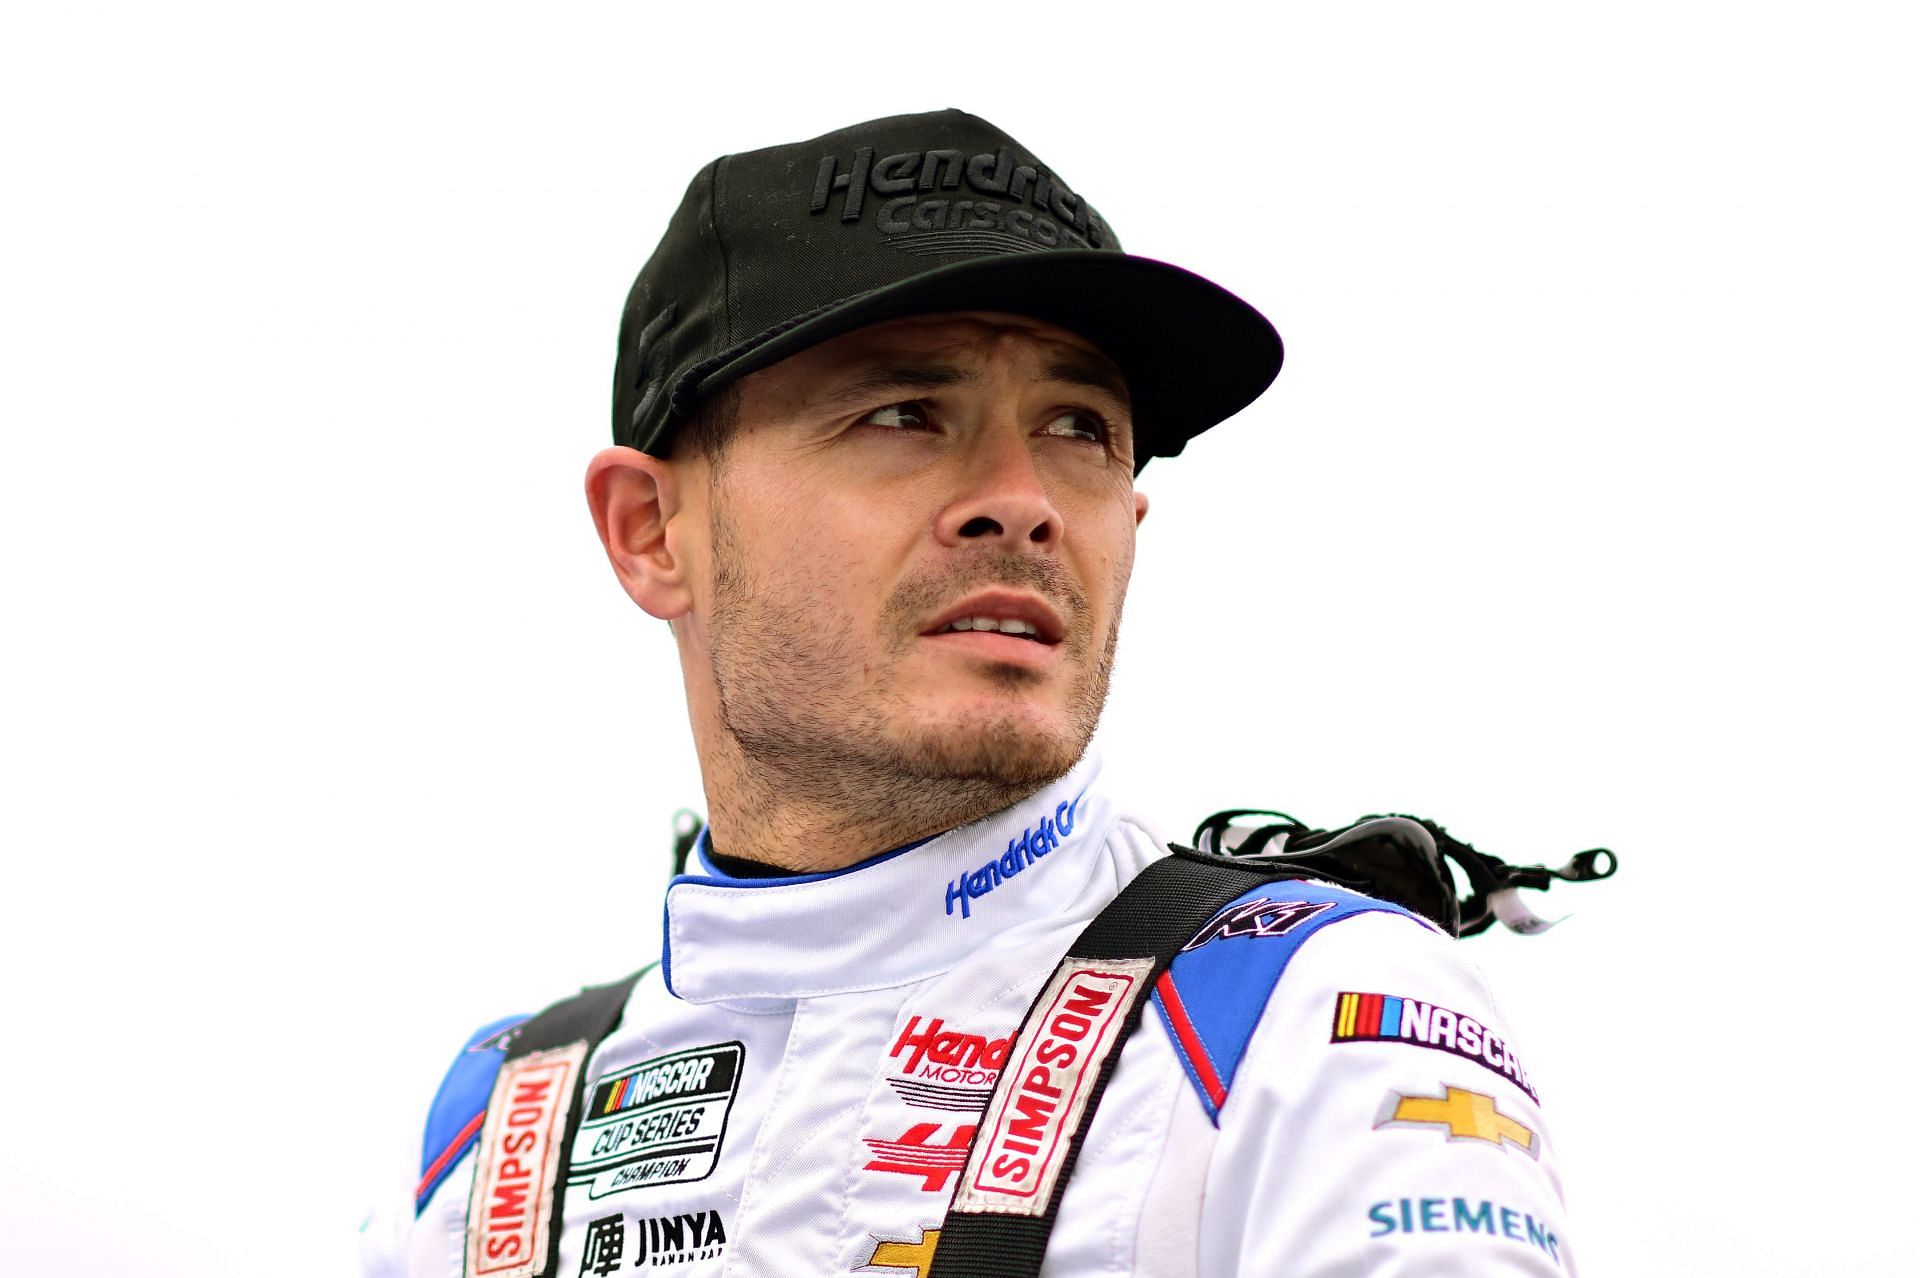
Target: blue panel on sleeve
(1212, 997)
(453, 1124)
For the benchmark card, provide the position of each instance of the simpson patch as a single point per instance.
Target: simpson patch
(511, 1209)
(1027, 1132)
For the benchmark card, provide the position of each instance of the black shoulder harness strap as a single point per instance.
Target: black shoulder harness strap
(1103, 979)
(515, 1211)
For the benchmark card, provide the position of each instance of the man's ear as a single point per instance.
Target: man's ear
(635, 498)
(1139, 507)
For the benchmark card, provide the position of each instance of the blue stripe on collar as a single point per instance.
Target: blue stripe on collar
(717, 878)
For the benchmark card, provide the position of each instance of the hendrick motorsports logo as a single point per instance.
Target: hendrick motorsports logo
(658, 1122)
(1034, 842)
(947, 1069)
(972, 203)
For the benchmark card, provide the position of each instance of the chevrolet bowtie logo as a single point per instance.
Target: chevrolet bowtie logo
(1466, 1116)
(915, 1258)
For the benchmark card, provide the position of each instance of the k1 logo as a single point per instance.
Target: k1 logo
(1258, 917)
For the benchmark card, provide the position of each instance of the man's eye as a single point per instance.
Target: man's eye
(1078, 423)
(910, 416)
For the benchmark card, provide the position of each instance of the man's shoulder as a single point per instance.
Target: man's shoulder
(459, 1106)
(1288, 948)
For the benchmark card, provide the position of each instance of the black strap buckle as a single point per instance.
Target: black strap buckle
(1408, 860)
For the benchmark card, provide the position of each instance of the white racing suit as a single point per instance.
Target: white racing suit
(1321, 1085)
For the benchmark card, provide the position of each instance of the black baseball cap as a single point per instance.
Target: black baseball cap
(777, 250)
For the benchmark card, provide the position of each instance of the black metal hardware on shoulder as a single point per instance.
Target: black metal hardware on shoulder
(1408, 860)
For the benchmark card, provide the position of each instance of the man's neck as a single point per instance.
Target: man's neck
(739, 867)
(828, 819)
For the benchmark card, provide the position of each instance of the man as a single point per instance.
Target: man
(880, 400)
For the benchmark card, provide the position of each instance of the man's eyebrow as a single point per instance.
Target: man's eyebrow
(894, 379)
(1092, 373)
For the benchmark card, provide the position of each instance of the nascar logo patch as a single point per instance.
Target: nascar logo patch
(1394, 1018)
(660, 1122)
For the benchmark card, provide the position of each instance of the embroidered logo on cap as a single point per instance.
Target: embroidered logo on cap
(944, 201)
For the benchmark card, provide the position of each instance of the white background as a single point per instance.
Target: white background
(1582, 514)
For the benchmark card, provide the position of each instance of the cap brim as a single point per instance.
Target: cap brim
(1193, 353)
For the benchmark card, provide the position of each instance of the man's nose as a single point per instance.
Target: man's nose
(1002, 500)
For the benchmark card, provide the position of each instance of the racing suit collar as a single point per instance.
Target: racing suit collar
(888, 921)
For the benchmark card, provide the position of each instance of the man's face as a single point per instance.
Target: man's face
(920, 539)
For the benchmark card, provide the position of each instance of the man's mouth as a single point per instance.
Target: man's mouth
(1004, 625)
(1013, 614)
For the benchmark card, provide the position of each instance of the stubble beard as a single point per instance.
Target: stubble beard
(792, 696)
